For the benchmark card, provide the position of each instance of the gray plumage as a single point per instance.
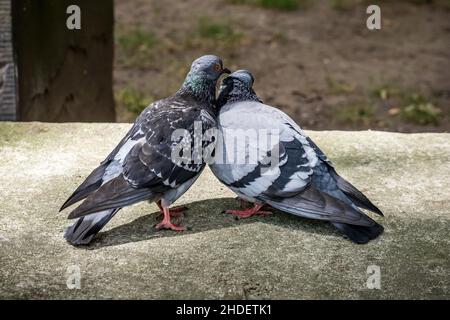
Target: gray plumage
(303, 182)
(141, 166)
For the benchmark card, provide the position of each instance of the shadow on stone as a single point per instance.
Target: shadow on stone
(202, 216)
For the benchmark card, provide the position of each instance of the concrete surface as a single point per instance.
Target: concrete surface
(407, 176)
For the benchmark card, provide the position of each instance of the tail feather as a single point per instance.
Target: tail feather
(83, 231)
(356, 196)
(315, 204)
(92, 183)
(116, 193)
(360, 234)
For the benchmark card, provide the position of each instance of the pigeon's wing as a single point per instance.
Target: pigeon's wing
(136, 132)
(160, 159)
(356, 196)
(278, 158)
(110, 167)
(149, 167)
(320, 154)
(290, 186)
(316, 204)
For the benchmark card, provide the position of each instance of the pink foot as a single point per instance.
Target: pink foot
(166, 223)
(246, 213)
(169, 225)
(175, 212)
(244, 204)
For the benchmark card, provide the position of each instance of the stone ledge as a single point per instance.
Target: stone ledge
(406, 175)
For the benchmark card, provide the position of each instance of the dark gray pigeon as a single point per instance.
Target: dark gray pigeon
(287, 170)
(141, 167)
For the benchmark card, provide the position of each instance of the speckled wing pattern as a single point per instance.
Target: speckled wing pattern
(149, 163)
(141, 165)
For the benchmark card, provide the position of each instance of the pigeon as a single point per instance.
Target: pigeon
(290, 173)
(142, 166)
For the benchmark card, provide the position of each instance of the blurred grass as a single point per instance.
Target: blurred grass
(356, 114)
(411, 104)
(219, 31)
(287, 5)
(136, 46)
(387, 101)
(340, 5)
(420, 110)
(344, 4)
(165, 53)
(284, 5)
(339, 87)
(133, 101)
(137, 40)
(385, 91)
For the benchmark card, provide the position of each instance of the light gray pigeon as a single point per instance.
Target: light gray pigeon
(141, 166)
(285, 169)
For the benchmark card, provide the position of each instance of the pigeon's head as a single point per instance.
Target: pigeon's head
(244, 76)
(238, 86)
(202, 78)
(209, 67)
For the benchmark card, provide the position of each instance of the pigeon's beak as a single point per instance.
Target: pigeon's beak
(226, 70)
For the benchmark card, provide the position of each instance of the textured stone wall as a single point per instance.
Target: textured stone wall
(7, 68)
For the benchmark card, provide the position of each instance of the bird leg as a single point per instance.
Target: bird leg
(166, 223)
(255, 210)
(245, 204)
(176, 212)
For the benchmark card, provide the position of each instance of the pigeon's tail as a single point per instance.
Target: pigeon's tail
(92, 183)
(84, 230)
(356, 196)
(315, 204)
(116, 193)
(360, 234)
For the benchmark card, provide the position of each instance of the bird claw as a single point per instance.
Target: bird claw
(169, 225)
(175, 212)
(247, 213)
(244, 204)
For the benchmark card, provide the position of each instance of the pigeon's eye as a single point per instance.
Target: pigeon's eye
(217, 67)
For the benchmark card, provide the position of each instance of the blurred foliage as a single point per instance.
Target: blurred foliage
(339, 87)
(421, 111)
(279, 36)
(352, 104)
(136, 45)
(385, 91)
(411, 104)
(291, 5)
(356, 114)
(133, 101)
(218, 31)
(285, 5)
(344, 4)
(421, 1)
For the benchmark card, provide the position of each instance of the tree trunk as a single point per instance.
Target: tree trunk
(64, 75)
